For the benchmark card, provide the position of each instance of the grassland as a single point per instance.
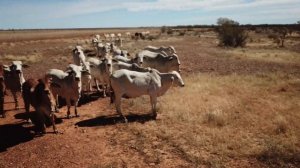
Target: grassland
(240, 108)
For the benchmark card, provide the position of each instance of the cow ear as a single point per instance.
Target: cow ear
(172, 78)
(115, 61)
(25, 66)
(170, 58)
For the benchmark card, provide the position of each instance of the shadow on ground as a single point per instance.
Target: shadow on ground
(111, 120)
(14, 134)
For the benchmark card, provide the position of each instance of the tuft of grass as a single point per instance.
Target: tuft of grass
(215, 117)
(281, 125)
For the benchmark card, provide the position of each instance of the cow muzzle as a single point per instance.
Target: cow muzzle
(77, 79)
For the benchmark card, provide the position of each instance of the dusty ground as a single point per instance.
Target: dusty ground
(240, 108)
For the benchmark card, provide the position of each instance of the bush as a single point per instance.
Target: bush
(230, 33)
(163, 29)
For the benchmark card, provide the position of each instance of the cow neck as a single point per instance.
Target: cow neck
(166, 82)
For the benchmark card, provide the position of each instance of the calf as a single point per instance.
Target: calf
(101, 70)
(67, 85)
(37, 94)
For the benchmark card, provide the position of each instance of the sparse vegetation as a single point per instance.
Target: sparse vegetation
(230, 33)
(239, 108)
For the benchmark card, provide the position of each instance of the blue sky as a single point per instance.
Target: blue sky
(26, 14)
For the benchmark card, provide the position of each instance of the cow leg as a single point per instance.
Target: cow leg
(118, 107)
(97, 84)
(56, 103)
(27, 108)
(53, 123)
(90, 86)
(76, 112)
(16, 100)
(68, 101)
(104, 90)
(153, 100)
(2, 112)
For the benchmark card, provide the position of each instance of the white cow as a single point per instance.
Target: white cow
(103, 50)
(131, 84)
(112, 36)
(106, 36)
(13, 78)
(67, 85)
(158, 61)
(78, 56)
(86, 77)
(125, 59)
(117, 65)
(163, 50)
(101, 70)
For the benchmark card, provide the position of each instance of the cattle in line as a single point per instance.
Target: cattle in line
(103, 50)
(96, 39)
(163, 50)
(101, 71)
(119, 42)
(128, 34)
(138, 35)
(114, 50)
(13, 75)
(67, 85)
(37, 93)
(158, 61)
(131, 84)
(2, 91)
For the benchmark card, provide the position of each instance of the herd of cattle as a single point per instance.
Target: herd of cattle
(151, 72)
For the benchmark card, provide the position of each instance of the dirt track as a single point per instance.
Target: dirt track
(98, 138)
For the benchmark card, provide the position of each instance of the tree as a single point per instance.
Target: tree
(279, 35)
(230, 33)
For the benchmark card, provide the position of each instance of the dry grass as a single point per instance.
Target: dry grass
(217, 118)
(28, 59)
(269, 55)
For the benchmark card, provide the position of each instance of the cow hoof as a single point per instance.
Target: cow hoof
(77, 115)
(17, 108)
(154, 116)
(68, 116)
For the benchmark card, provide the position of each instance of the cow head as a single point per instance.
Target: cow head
(171, 50)
(15, 72)
(174, 62)
(177, 80)
(107, 62)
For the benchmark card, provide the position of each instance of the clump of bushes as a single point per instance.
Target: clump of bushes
(230, 33)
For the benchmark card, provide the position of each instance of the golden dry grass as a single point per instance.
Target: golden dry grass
(217, 118)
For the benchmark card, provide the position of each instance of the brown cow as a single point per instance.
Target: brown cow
(38, 94)
(2, 91)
